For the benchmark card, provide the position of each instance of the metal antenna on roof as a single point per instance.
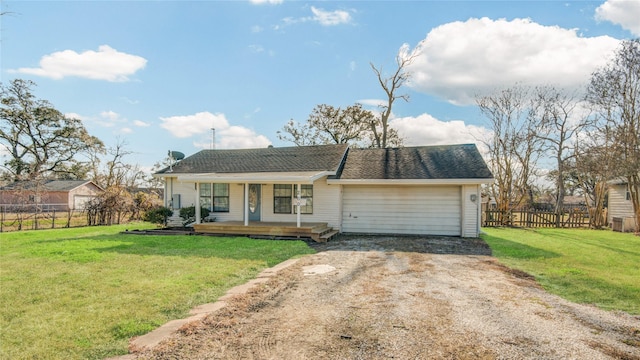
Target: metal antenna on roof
(174, 157)
(213, 138)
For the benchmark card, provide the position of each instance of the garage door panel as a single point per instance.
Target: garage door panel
(402, 210)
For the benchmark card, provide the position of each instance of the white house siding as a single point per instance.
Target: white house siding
(393, 209)
(619, 206)
(470, 211)
(236, 205)
(185, 189)
(326, 200)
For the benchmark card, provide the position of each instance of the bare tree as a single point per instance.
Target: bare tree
(560, 125)
(593, 166)
(391, 85)
(513, 148)
(120, 180)
(614, 93)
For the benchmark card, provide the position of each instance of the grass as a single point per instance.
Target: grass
(598, 267)
(81, 293)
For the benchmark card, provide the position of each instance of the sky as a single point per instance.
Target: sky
(159, 75)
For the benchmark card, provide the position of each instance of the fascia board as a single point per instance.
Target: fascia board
(268, 178)
(409, 181)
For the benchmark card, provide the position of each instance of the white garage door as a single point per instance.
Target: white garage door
(433, 210)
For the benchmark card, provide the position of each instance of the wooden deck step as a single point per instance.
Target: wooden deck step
(327, 236)
(313, 231)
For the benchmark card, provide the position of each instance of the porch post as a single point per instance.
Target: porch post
(246, 204)
(298, 204)
(198, 212)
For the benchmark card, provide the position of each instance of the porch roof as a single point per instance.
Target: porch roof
(307, 177)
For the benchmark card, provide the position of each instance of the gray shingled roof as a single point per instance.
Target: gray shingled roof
(272, 159)
(49, 185)
(425, 162)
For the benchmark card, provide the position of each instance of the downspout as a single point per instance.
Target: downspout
(478, 210)
(298, 204)
(463, 208)
(198, 211)
(246, 204)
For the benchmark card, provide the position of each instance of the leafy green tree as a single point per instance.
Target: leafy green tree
(329, 125)
(40, 140)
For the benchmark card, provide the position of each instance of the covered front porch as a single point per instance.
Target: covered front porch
(319, 231)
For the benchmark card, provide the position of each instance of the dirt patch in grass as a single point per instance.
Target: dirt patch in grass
(404, 298)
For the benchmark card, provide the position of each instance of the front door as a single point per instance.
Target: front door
(254, 202)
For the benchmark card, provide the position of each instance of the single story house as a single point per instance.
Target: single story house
(620, 209)
(48, 195)
(432, 190)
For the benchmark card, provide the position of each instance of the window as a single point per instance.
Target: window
(205, 196)
(306, 194)
(284, 195)
(221, 197)
(628, 195)
(215, 197)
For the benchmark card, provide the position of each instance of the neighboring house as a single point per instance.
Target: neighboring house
(48, 195)
(620, 206)
(431, 190)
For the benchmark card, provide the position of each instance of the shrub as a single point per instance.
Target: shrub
(188, 214)
(157, 215)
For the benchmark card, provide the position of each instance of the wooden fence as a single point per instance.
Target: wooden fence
(37, 220)
(536, 218)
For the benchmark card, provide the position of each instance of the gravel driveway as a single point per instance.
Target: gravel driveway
(403, 298)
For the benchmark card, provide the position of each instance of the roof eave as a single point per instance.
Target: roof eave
(262, 178)
(466, 181)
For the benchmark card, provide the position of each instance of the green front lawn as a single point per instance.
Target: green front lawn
(82, 293)
(597, 267)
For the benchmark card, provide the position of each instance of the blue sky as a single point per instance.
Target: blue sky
(160, 74)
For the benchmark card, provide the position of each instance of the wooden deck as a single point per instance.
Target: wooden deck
(319, 232)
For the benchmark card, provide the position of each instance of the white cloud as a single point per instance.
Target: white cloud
(104, 64)
(110, 115)
(330, 18)
(460, 60)
(200, 124)
(256, 48)
(625, 13)
(189, 125)
(108, 119)
(141, 123)
(260, 2)
(427, 130)
(130, 102)
(75, 116)
(238, 137)
(324, 18)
